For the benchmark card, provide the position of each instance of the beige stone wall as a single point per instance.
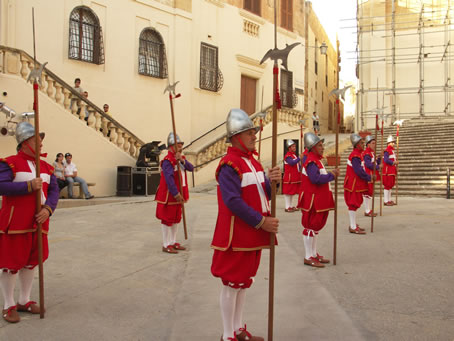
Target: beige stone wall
(137, 101)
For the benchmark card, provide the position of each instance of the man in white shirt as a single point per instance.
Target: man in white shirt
(71, 177)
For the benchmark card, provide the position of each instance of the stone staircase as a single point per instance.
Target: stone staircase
(426, 151)
(18, 63)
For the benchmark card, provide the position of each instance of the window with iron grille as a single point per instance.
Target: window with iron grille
(287, 14)
(287, 96)
(85, 36)
(210, 75)
(152, 54)
(252, 6)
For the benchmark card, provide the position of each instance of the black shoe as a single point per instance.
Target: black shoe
(90, 197)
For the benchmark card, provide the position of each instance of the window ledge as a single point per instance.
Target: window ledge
(251, 16)
(218, 3)
(217, 93)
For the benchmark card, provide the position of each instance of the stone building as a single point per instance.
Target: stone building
(126, 51)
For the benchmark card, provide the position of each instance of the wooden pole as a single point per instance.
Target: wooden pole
(381, 171)
(373, 180)
(336, 184)
(273, 186)
(397, 166)
(260, 137)
(38, 174)
(180, 184)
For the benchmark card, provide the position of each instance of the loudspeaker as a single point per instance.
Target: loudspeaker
(138, 183)
(124, 181)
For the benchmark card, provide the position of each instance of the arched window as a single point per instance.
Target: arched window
(152, 54)
(85, 36)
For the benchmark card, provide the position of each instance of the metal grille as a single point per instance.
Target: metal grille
(85, 36)
(210, 76)
(288, 97)
(152, 54)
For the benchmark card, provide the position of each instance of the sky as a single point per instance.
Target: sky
(334, 16)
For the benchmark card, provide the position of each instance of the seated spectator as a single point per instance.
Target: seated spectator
(71, 176)
(60, 171)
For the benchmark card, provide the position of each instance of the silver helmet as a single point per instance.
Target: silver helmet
(24, 131)
(171, 139)
(369, 138)
(237, 122)
(310, 140)
(354, 139)
(390, 139)
(289, 143)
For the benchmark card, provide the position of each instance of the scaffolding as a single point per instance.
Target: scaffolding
(403, 50)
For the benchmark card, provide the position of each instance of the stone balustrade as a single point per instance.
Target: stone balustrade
(218, 148)
(18, 62)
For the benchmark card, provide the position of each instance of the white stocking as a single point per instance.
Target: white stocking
(308, 246)
(228, 302)
(26, 281)
(367, 203)
(238, 318)
(165, 235)
(288, 201)
(173, 234)
(386, 195)
(352, 215)
(314, 245)
(7, 283)
(390, 196)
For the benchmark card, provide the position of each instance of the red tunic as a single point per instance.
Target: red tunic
(370, 184)
(230, 230)
(389, 172)
(316, 201)
(237, 245)
(18, 240)
(292, 176)
(168, 210)
(17, 214)
(354, 186)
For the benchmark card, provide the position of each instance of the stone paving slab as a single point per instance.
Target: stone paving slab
(107, 278)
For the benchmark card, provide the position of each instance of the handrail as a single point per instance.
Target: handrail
(221, 124)
(74, 93)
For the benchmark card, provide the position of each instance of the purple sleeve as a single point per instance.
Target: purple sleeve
(368, 162)
(359, 170)
(313, 172)
(378, 163)
(291, 161)
(167, 170)
(304, 159)
(53, 192)
(268, 187)
(230, 186)
(188, 166)
(7, 186)
(388, 161)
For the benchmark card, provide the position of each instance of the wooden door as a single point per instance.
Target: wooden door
(248, 94)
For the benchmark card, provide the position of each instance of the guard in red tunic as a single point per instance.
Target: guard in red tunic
(317, 199)
(389, 171)
(291, 184)
(168, 196)
(355, 182)
(243, 225)
(19, 221)
(370, 165)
